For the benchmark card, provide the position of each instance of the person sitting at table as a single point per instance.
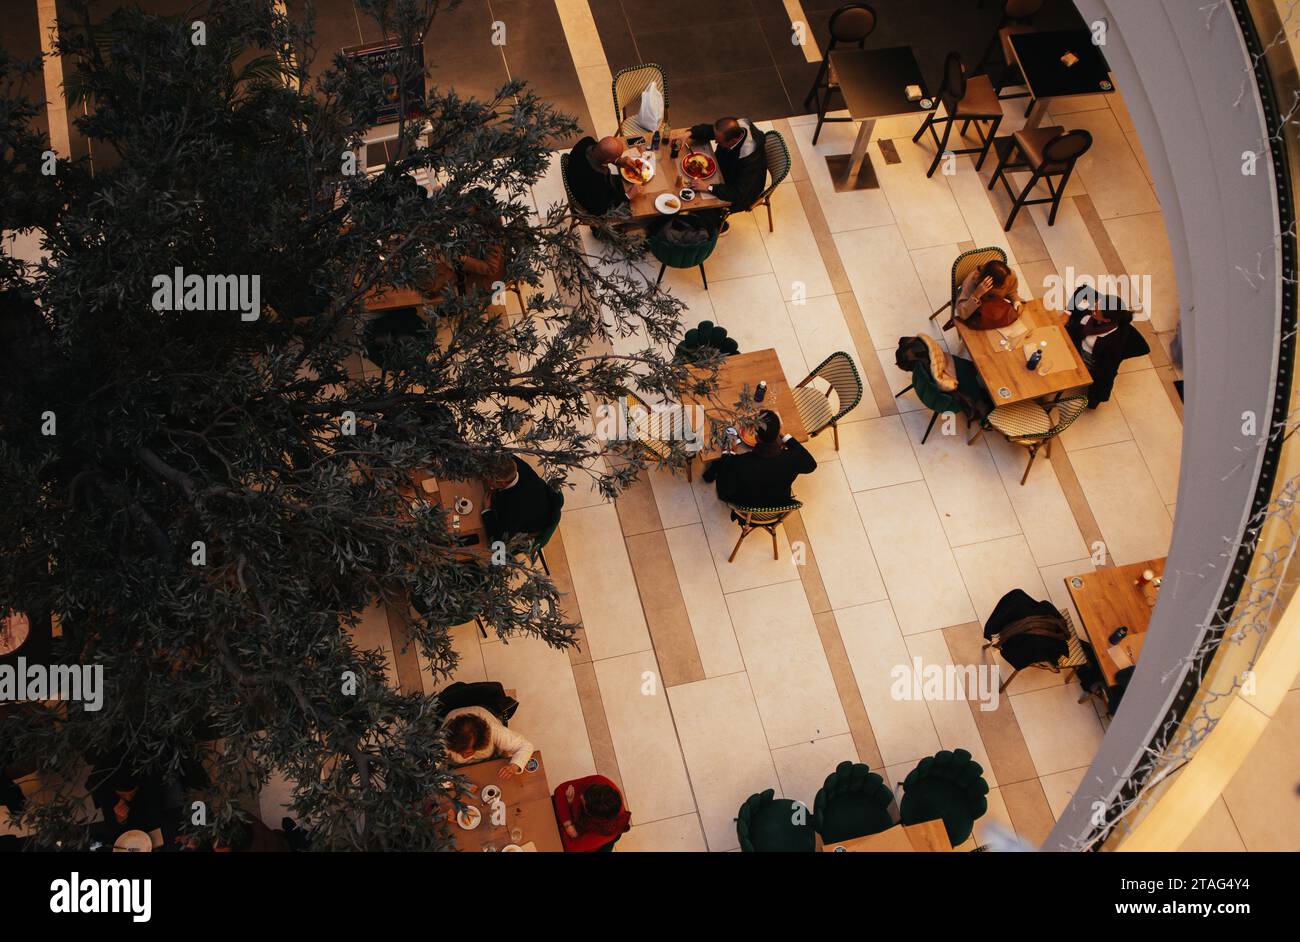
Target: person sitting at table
(993, 284)
(475, 735)
(764, 475)
(741, 160)
(1104, 335)
(591, 814)
(516, 501)
(593, 174)
(128, 802)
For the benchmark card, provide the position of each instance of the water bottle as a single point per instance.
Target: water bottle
(654, 142)
(760, 391)
(1032, 363)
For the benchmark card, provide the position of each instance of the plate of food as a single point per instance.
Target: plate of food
(667, 203)
(469, 817)
(699, 166)
(638, 170)
(512, 849)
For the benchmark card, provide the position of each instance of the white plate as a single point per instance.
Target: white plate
(491, 793)
(470, 818)
(664, 202)
(512, 849)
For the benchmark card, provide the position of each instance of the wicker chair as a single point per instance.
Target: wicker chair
(778, 168)
(761, 518)
(814, 406)
(1072, 660)
(653, 432)
(577, 214)
(963, 265)
(1030, 424)
(628, 85)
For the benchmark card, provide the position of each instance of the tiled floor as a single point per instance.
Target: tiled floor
(702, 681)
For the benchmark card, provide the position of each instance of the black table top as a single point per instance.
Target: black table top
(874, 81)
(1039, 54)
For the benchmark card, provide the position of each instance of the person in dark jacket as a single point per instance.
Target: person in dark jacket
(741, 159)
(763, 476)
(596, 188)
(517, 501)
(1105, 336)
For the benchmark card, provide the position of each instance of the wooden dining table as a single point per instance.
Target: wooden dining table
(742, 371)
(1003, 368)
(925, 837)
(1109, 598)
(445, 492)
(641, 198)
(528, 808)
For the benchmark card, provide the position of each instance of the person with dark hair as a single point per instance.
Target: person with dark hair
(994, 281)
(741, 159)
(516, 501)
(1103, 332)
(591, 814)
(475, 735)
(129, 802)
(764, 475)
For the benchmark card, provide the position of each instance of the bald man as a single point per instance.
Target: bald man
(593, 175)
(741, 159)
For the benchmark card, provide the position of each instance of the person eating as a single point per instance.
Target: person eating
(591, 814)
(475, 735)
(593, 174)
(764, 475)
(987, 297)
(517, 502)
(741, 160)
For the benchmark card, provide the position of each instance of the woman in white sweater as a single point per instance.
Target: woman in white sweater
(475, 735)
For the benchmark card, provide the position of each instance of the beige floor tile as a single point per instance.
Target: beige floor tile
(1156, 427)
(1073, 104)
(1040, 505)
(1103, 425)
(820, 326)
(1116, 182)
(791, 247)
(885, 284)
(1262, 795)
(372, 633)
(585, 48)
(674, 497)
(603, 582)
(753, 565)
(925, 586)
(934, 268)
(595, 83)
(740, 252)
(1133, 519)
(1029, 812)
(876, 453)
(1060, 787)
(645, 740)
(672, 835)
(970, 190)
(550, 714)
(710, 620)
(803, 767)
(967, 489)
(1135, 144)
(994, 568)
(727, 755)
(952, 717)
(924, 207)
(997, 816)
(1069, 243)
(1216, 832)
(753, 311)
(854, 210)
(1142, 242)
(1054, 579)
(1060, 732)
(664, 607)
(844, 558)
(903, 728)
(788, 673)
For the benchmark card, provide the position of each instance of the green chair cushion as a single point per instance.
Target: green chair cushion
(948, 785)
(767, 825)
(853, 802)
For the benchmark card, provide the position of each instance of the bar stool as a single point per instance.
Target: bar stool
(851, 24)
(966, 99)
(1049, 153)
